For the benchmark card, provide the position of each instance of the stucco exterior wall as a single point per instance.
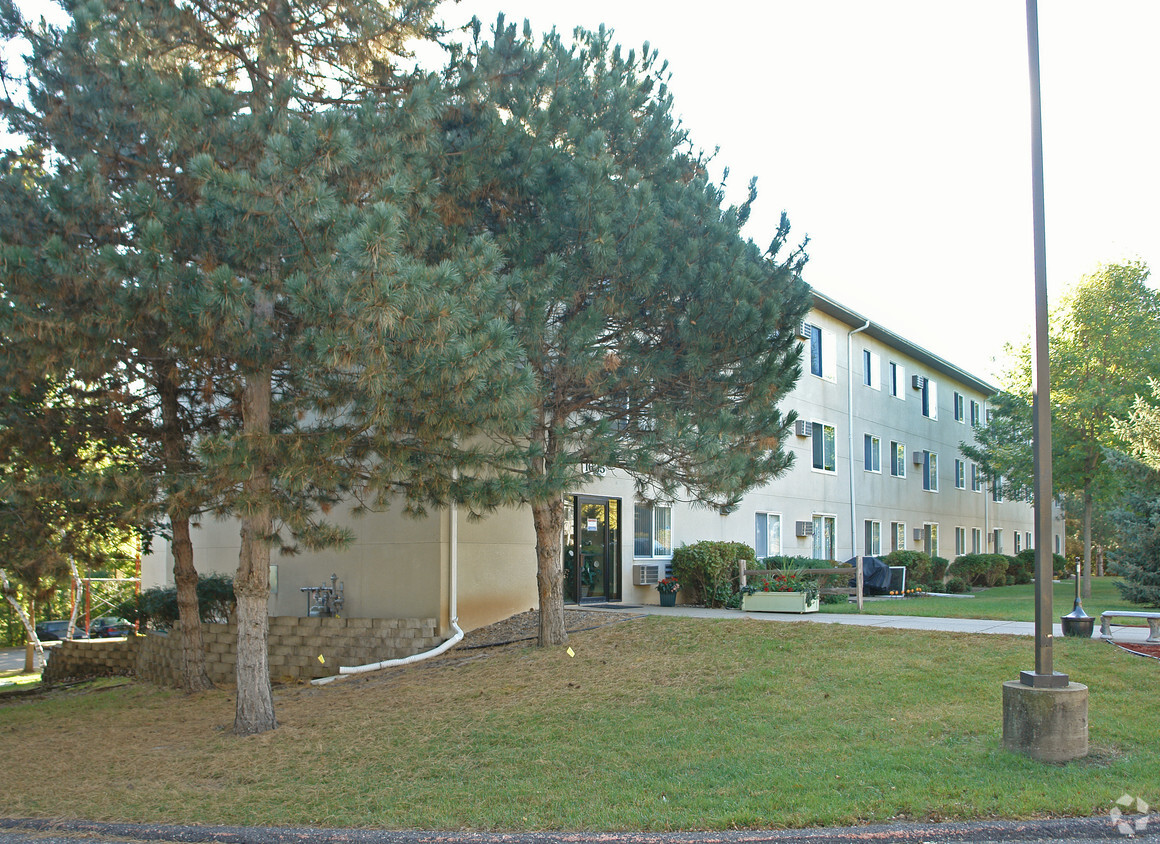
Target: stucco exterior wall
(400, 567)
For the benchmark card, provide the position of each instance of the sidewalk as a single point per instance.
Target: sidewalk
(899, 622)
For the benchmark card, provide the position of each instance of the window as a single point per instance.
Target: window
(960, 474)
(767, 535)
(1027, 539)
(976, 541)
(976, 478)
(872, 457)
(930, 471)
(652, 531)
(897, 380)
(976, 417)
(959, 415)
(825, 535)
(871, 369)
(825, 447)
(930, 539)
(929, 398)
(1057, 543)
(898, 459)
(873, 538)
(897, 536)
(998, 538)
(1018, 542)
(823, 353)
(997, 490)
(960, 541)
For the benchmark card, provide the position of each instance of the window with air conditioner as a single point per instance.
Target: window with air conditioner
(825, 450)
(929, 398)
(930, 471)
(767, 534)
(897, 459)
(897, 380)
(652, 531)
(823, 352)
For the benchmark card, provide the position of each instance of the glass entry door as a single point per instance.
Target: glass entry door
(592, 549)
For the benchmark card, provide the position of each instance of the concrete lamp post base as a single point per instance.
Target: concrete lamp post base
(1049, 724)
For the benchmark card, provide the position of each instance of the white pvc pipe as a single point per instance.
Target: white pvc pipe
(453, 560)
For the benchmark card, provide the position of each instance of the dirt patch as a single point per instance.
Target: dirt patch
(525, 627)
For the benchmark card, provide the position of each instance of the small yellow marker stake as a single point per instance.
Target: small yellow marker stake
(320, 659)
(571, 652)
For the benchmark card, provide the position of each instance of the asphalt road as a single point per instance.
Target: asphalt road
(1080, 830)
(11, 659)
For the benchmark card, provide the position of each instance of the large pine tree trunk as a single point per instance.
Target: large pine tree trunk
(548, 517)
(255, 705)
(194, 677)
(1086, 587)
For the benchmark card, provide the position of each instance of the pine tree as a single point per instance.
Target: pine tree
(241, 201)
(660, 340)
(1138, 557)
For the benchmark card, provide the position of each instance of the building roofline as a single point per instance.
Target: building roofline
(854, 319)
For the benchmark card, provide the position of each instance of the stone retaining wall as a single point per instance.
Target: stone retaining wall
(295, 646)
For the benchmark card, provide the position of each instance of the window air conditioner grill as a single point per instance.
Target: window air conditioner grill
(919, 534)
(918, 458)
(646, 575)
(803, 330)
(803, 428)
(918, 381)
(804, 528)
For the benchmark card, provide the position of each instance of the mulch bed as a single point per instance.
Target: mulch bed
(1142, 650)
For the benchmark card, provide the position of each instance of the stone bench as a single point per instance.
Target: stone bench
(1152, 617)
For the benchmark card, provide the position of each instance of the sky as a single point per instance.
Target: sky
(896, 135)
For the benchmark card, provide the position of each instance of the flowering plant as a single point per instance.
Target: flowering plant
(786, 581)
(668, 585)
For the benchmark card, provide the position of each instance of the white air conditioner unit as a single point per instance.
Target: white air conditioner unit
(917, 381)
(645, 575)
(804, 528)
(919, 458)
(802, 428)
(803, 330)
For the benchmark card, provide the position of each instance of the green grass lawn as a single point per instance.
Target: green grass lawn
(1005, 603)
(654, 724)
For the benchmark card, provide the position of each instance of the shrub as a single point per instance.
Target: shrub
(835, 599)
(981, 569)
(709, 570)
(157, 607)
(918, 564)
(1025, 560)
(938, 570)
(956, 585)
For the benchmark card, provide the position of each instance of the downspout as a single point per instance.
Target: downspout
(850, 431)
(453, 611)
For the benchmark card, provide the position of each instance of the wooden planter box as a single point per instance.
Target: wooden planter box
(778, 602)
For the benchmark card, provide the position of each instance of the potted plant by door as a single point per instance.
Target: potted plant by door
(668, 589)
(786, 591)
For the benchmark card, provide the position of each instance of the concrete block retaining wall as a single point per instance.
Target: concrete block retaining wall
(295, 645)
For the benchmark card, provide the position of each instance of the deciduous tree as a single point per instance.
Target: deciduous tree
(1102, 351)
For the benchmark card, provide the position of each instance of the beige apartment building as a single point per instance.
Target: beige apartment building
(877, 467)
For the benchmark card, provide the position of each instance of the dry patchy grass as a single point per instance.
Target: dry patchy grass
(654, 724)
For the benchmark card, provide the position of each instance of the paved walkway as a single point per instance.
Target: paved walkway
(869, 619)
